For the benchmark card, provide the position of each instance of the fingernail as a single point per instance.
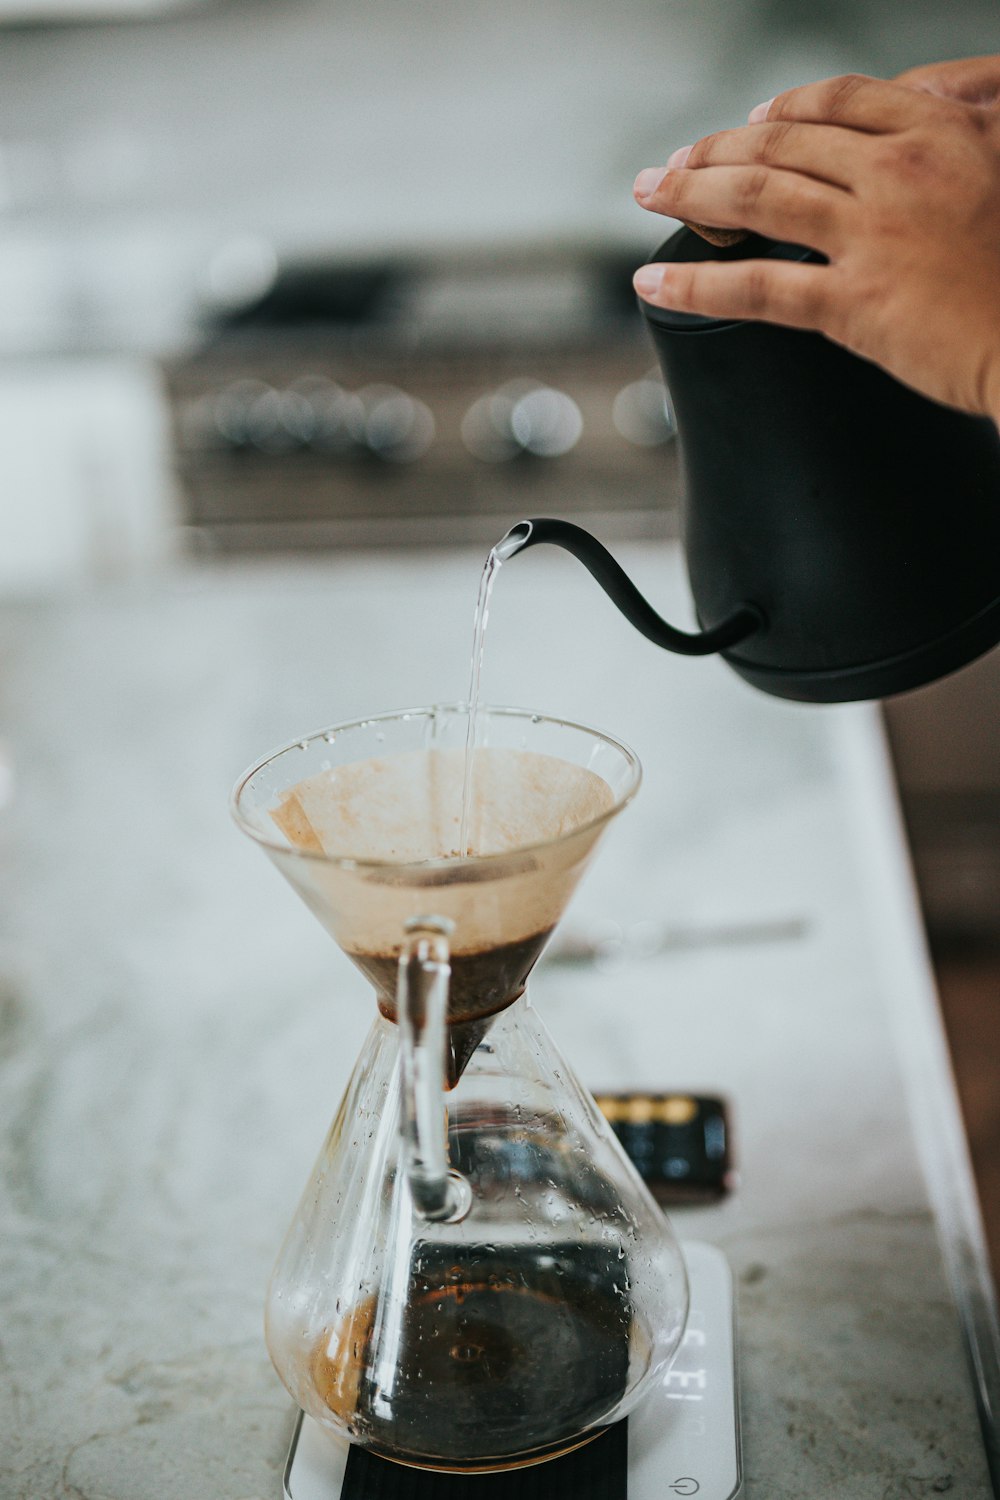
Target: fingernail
(679, 157)
(759, 112)
(648, 280)
(648, 181)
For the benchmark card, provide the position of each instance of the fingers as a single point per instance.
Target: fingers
(972, 80)
(768, 291)
(780, 204)
(821, 151)
(852, 101)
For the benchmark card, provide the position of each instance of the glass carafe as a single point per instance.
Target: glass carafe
(476, 1277)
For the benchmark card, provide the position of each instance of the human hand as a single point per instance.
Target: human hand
(897, 184)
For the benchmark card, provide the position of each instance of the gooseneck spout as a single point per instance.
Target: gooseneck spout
(743, 622)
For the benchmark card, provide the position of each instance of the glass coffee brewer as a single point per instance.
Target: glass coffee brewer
(475, 1278)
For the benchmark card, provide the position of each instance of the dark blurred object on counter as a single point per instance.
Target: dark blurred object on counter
(679, 1143)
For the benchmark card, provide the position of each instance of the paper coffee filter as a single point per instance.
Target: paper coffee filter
(538, 814)
(407, 808)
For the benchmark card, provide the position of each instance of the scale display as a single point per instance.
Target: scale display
(683, 1439)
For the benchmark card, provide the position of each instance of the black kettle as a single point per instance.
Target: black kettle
(842, 532)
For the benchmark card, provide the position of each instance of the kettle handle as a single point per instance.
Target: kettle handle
(439, 1194)
(620, 589)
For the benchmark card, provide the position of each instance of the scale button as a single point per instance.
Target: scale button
(685, 1486)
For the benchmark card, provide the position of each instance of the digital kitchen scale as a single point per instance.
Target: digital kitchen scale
(683, 1439)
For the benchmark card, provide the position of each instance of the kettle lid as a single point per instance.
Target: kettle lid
(685, 245)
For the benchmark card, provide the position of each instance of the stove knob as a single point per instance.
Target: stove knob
(522, 416)
(486, 429)
(253, 414)
(643, 414)
(546, 422)
(279, 421)
(231, 409)
(335, 421)
(397, 427)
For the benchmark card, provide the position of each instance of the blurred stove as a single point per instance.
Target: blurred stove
(405, 402)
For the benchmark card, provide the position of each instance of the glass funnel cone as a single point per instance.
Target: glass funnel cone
(475, 1277)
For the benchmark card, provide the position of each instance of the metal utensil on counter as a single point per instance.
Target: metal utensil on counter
(611, 942)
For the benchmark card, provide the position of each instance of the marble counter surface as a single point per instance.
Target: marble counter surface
(175, 1028)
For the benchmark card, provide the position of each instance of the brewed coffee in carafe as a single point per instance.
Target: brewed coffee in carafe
(475, 1277)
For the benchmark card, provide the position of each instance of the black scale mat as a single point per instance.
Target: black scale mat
(596, 1471)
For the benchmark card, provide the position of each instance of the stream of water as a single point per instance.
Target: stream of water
(498, 555)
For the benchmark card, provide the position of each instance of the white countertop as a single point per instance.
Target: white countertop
(175, 1029)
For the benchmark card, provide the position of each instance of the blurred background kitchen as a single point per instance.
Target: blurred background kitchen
(311, 274)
